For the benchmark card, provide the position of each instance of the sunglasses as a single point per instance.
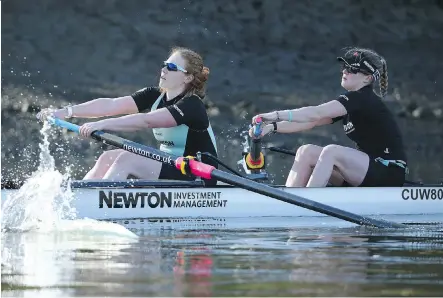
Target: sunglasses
(173, 67)
(353, 70)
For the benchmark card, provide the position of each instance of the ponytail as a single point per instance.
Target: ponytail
(198, 84)
(384, 79)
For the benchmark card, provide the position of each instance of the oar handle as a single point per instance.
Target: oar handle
(73, 127)
(257, 127)
(256, 142)
(61, 123)
(255, 158)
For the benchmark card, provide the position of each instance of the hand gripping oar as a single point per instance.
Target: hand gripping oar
(254, 159)
(207, 172)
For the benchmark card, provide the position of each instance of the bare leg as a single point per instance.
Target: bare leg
(132, 164)
(304, 163)
(103, 164)
(305, 158)
(351, 163)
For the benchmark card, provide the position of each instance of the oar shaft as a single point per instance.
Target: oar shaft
(197, 168)
(134, 147)
(300, 201)
(255, 149)
(281, 150)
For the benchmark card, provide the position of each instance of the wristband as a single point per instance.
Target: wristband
(275, 126)
(69, 109)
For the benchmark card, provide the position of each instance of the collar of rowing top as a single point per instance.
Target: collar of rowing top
(173, 100)
(178, 97)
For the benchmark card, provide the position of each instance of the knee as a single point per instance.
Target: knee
(124, 158)
(108, 157)
(305, 151)
(330, 151)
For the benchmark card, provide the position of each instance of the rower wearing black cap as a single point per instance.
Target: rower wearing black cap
(379, 158)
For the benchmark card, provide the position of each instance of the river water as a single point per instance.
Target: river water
(315, 256)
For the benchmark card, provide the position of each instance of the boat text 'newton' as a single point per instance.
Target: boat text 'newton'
(113, 199)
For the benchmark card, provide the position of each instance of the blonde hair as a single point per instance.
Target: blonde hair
(194, 66)
(379, 62)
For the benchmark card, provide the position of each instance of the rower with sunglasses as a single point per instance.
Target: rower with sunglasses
(379, 158)
(173, 110)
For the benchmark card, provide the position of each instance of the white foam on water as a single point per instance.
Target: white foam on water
(92, 228)
(44, 202)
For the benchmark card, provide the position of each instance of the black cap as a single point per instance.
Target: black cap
(358, 61)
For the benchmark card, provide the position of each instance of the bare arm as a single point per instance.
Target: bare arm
(329, 110)
(158, 118)
(103, 107)
(291, 127)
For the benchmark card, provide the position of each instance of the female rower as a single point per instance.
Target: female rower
(379, 158)
(174, 110)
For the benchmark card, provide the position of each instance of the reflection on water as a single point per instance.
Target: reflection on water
(193, 273)
(289, 261)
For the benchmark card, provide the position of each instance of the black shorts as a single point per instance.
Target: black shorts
(169, 172)
(383, 176)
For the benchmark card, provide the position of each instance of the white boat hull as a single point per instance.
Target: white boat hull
(225, 202)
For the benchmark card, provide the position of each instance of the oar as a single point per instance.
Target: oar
(254, 159)
(281, 150)
(207, 172)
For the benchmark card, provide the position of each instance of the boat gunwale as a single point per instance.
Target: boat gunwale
(141, 184)
(195, 184)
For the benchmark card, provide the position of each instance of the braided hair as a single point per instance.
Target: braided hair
(379, 62)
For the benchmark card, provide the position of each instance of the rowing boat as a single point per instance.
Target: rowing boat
(240, 196)
(175, 199)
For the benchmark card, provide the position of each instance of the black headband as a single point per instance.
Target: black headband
(358, 61)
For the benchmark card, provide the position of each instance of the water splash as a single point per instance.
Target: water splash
(45, 198)
(45, 203)
(245, 145)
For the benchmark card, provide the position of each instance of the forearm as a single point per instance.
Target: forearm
(127, 123)
(302, 115)
(100, 107)
(291, 127)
